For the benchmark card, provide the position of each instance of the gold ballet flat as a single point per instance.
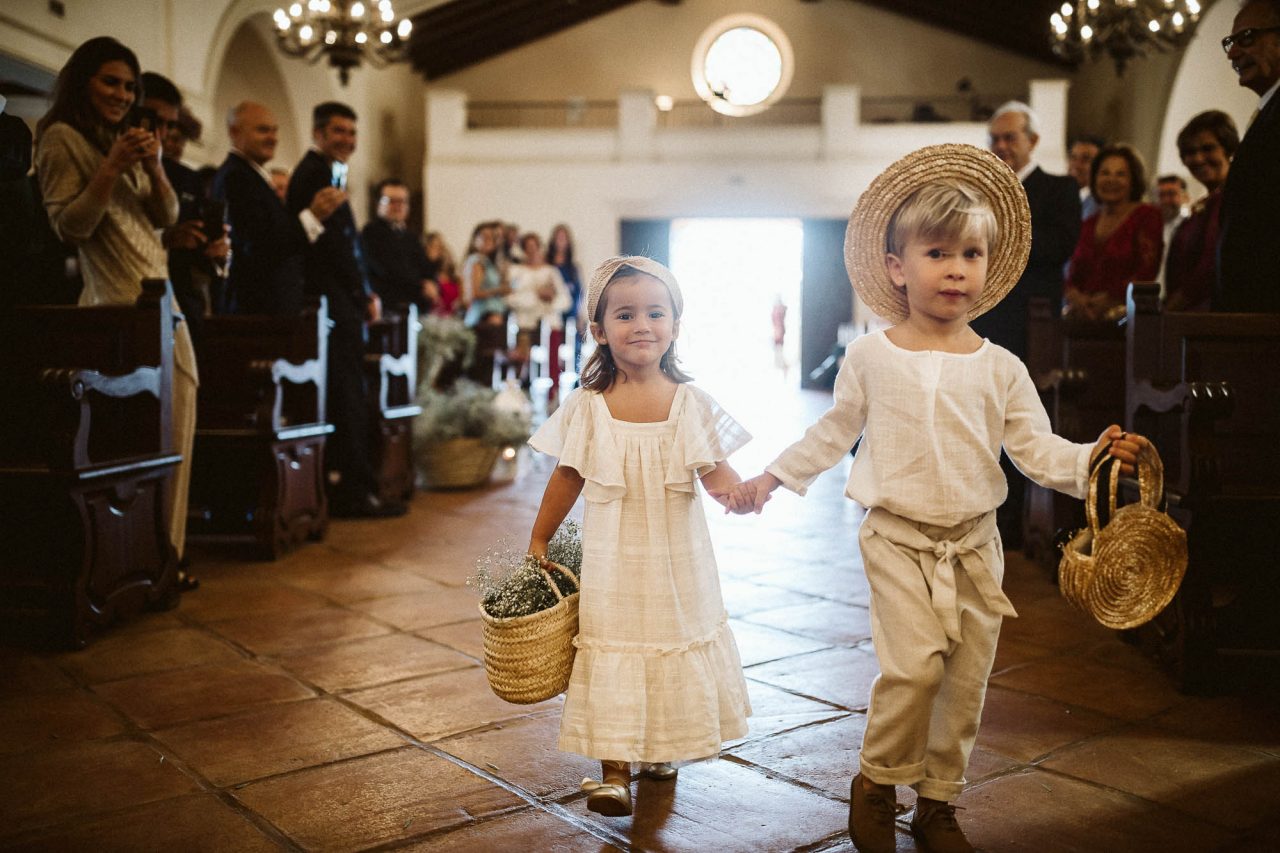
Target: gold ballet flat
(607, 799)
(662, 771)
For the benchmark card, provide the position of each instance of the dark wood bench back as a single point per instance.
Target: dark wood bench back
(87, 385)
(263, 372)
(1206, 388)
(391, 358)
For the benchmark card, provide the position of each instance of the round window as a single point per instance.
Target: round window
(742, 64)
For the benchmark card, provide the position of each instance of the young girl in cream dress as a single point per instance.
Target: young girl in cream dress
(657, 678)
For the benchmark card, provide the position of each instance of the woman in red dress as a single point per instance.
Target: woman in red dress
(1120, 243)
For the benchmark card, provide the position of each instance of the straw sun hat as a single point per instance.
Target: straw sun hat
(865, 243)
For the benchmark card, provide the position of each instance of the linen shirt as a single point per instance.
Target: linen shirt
(932, 425)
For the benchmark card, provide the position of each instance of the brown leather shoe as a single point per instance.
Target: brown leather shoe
(934, 826)
(871, 812)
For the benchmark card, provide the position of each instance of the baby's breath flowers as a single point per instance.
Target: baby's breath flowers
(511, 584)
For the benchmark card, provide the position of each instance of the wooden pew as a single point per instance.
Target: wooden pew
(1078, 369)
(391, 380)
(1206, 389)
(86, 456)
(258, 467)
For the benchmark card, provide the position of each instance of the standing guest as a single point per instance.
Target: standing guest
(1206, 146)
(1120, 243)
(1172, 199)
(1055, 224)
(268, 242)
(334, 269)
(1248, 251)
(187, 129)
(485, 288)
(538, 297)
(508, 236)
(560, 254)
(106, 192)
(1080, 156)
(445, 274)
(196, 263)
(398, 266)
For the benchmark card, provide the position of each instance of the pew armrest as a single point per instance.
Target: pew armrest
(66, 442)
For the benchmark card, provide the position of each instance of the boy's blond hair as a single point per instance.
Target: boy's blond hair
(942, 210)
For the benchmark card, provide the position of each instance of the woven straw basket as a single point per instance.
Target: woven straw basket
(458, 463)
(1126, 566)
(528, 658)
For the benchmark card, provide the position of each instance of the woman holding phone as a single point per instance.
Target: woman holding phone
(106, 193)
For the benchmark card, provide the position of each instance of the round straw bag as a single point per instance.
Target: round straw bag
(1136, 555)
(528, 658)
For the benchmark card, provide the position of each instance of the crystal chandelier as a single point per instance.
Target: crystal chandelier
(1122, 29)
(345, 31)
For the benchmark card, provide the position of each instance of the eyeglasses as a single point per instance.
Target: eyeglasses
(1245, 38)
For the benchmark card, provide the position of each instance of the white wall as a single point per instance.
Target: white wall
(594, 178)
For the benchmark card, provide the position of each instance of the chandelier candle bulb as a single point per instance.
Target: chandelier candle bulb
(1121, 29)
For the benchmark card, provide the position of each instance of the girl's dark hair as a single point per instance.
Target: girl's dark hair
(600, 371)
(568, 249)
(1131, 157)
(71, 103)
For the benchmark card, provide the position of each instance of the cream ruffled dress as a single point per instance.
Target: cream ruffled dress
(657, 675)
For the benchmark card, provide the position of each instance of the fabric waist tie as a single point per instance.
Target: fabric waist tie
(945, 553)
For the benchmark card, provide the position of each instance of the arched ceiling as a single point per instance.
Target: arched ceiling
(456, 34)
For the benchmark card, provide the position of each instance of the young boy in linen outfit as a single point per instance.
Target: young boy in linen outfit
(940, 237)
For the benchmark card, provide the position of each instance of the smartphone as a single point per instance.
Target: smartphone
(213, 215)
(339, 178)
(145, 118)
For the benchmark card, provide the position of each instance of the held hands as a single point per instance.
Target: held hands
(135, 145)
(747, 496)
(1122, 445)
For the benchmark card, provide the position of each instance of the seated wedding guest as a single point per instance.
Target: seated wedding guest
(1206, 145)
(196, 263)
(268, 243)
(538, 296)
(106, 192)
(560, 254)
(398, 267)
(484, 290)
(1119, 244)
(445, 274)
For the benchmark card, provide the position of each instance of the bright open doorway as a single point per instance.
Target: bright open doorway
(734, 274)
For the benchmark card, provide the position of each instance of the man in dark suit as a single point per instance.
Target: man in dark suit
(268, 242)
(195, 262)
(1249, 242)
(1055, 226)
(335, 269)
(399, 269)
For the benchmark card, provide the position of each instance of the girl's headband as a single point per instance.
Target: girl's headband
(606, 271)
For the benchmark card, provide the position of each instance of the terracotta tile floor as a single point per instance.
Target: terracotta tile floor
(335, 700)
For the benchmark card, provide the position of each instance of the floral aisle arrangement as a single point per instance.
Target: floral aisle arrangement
(529, 614)
(460, 432)
(442, 341)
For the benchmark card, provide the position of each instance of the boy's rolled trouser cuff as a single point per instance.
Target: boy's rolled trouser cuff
(937, 789)
(908, 774)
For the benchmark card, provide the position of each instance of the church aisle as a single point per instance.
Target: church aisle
(335, 700)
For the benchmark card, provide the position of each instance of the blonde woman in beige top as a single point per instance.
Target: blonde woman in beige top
(106, 193)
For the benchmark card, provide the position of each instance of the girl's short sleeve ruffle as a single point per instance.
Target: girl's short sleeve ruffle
(705, 436)
(578, 434)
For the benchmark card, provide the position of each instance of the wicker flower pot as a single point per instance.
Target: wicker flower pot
(459, 463)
